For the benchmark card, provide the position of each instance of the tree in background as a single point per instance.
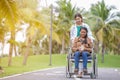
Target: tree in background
(28, 14)
(106, 26)
(64, 22)
(13, 13)
(9, 12)
(39, 23)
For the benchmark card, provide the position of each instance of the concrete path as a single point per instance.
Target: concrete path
(59, 74)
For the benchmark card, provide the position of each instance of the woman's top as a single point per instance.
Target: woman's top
(74, 33)
(85, 43)
(78, 30)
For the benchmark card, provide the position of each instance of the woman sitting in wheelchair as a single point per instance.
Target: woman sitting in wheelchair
(82, 46)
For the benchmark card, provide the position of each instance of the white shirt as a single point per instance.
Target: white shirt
(73, 32)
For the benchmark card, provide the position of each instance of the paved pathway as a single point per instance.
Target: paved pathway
(59, 74)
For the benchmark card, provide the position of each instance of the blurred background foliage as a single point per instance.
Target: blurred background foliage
(104, 23)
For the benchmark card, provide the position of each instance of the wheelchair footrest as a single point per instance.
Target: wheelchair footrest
(86, 73)
(89, 60)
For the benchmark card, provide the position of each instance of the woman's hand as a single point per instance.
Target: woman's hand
(81, 48)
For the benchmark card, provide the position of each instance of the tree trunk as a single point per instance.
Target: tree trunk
(103, 50)
(3, 45)
(26, 55)
(10, 55)
(63, 45)
(97, 49)
(27, 51)
(15, 50)
(11, 49)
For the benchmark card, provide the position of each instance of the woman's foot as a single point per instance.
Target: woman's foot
(80, 75)
(85, 71)
(76, 71)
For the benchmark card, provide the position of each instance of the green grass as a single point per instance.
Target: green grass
(111, 61)
(38, 62)
(34, 63)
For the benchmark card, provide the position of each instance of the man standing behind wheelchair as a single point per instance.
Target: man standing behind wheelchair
(81, 38)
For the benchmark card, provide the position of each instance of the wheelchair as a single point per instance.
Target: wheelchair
(92, 59)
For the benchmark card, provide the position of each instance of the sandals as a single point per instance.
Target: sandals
(80, 75)
(76, 71)
(85, 71)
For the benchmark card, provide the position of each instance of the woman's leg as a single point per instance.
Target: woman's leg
(84, 56)
(77, 57)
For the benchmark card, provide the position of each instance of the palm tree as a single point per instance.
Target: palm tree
(103, 30)
(39, 25)
(66, 12)
(3, 30)
(9, 11)
(34, 24)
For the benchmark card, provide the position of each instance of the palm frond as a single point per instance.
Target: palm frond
(114, 23)
(101, 9)
(8, 10)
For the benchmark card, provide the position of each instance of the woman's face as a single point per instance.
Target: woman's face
(78, 20)
(83, 33)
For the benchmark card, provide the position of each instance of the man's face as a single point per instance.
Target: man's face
(78, 20)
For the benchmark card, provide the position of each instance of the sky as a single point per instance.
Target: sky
(86, 3)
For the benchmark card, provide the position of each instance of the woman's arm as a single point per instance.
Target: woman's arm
(89, 45)
(88, 49)
(73, 33)
(74, 47)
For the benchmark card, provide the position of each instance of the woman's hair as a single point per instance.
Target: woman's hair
(85, 41)
(85, 30)
(78, 15)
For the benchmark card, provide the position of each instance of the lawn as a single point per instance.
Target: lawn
(35, 62)
(38, 62)
(112, 61)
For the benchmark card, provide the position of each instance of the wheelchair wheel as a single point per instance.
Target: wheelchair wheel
(92, 76)
(68, 74)
(95, 68)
